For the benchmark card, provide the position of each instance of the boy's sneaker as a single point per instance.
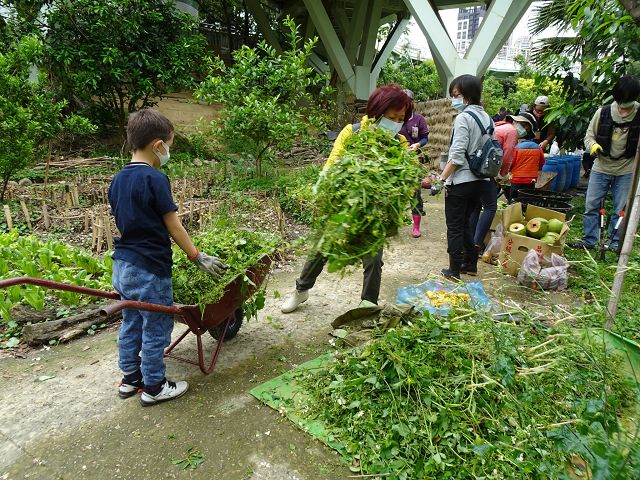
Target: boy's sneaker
(130, 385)
(167, 391)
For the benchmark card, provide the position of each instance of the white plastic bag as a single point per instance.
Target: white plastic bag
(492, 251)
(538, 272)
(555, 149)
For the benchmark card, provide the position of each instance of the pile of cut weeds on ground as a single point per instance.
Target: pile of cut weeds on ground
(471, 397)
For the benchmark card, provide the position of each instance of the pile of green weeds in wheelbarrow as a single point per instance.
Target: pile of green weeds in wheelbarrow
(470, 397)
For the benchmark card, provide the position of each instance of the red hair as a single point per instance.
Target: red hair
(388, 97)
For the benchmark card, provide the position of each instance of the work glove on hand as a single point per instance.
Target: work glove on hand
(595, 149)
(212, 265)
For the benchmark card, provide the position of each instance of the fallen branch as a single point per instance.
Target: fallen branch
(65, 329)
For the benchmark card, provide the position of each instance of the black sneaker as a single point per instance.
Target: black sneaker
(469, 270)
(167, 391)
(450, 274)
(130, 385)
(580, 244)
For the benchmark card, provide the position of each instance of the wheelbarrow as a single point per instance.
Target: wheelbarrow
(222, 320)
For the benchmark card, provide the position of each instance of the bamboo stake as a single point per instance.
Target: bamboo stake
(7, 217)
(25, 210)
(86, 222)
(623, 261)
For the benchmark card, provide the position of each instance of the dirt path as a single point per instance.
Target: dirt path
(73, 426)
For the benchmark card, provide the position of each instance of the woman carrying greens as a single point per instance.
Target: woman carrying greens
(388, 107)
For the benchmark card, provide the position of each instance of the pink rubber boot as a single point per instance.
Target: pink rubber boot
(416, 225)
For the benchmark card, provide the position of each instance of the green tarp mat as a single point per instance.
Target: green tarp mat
(286, 395)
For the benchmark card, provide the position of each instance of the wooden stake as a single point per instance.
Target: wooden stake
(94, 237)
(99, 234)
(7, 217)
(45, 216)
(25, 210)
(65, 215)
(75, 196)
(107, 230)
(86, 221)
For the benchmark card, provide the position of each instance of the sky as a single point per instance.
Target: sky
(450, 19)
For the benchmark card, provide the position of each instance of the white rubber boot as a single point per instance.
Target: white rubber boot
(294, 300)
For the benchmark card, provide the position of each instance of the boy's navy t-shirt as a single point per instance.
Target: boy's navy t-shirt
(140, 196)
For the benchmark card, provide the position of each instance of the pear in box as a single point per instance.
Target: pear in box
(537, 227)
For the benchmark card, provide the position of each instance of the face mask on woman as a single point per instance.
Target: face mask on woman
(522, 132)
(457, 103)
(390, 125)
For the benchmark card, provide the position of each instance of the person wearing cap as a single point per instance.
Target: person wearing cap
(416, 131)
(544, 132)
(528, 157)
(612, 137)
(523, 108)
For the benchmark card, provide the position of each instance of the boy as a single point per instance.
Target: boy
(141, 202)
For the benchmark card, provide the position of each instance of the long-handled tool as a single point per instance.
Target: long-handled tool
(616, 227)
(603, 228)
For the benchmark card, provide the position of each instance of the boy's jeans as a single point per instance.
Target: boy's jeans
(143, 334)
(599, 185)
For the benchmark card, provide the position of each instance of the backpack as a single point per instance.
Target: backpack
(486, 162)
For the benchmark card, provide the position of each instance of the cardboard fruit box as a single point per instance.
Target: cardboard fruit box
(515, 247)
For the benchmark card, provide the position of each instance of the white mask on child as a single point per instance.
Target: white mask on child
(163, 157)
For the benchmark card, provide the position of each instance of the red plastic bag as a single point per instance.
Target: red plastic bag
(539, 272)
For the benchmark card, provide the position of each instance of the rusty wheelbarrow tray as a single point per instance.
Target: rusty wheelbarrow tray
(221, 320)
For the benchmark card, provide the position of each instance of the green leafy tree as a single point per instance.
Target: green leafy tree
(266, 97)
(29, 114)
(606, 44)
(120, 55)
(419, 77)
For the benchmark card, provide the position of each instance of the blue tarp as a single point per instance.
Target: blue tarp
(416, 295)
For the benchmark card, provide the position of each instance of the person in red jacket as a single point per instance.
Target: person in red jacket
(528, 158)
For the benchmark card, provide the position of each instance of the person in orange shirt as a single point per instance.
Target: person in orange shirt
(528, 157)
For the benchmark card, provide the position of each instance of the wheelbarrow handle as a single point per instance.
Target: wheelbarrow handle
(41, 282)
(115, 307)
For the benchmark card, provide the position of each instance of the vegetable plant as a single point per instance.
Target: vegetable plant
(52, 260)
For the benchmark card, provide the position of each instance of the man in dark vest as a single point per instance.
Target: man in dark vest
(612, 137)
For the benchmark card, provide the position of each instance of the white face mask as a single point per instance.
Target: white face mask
(390, 125)
(163, 157)
(522, 132)
(627, 104)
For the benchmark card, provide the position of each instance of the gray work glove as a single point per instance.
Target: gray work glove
(212, 265)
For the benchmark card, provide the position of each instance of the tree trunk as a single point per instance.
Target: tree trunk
(5, 182)
(633, 7)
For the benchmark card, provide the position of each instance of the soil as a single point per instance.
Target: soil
(62, 418)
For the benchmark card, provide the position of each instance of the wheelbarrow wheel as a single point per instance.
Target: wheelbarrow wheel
(232, 329)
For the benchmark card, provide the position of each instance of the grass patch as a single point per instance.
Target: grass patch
(591, 279)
